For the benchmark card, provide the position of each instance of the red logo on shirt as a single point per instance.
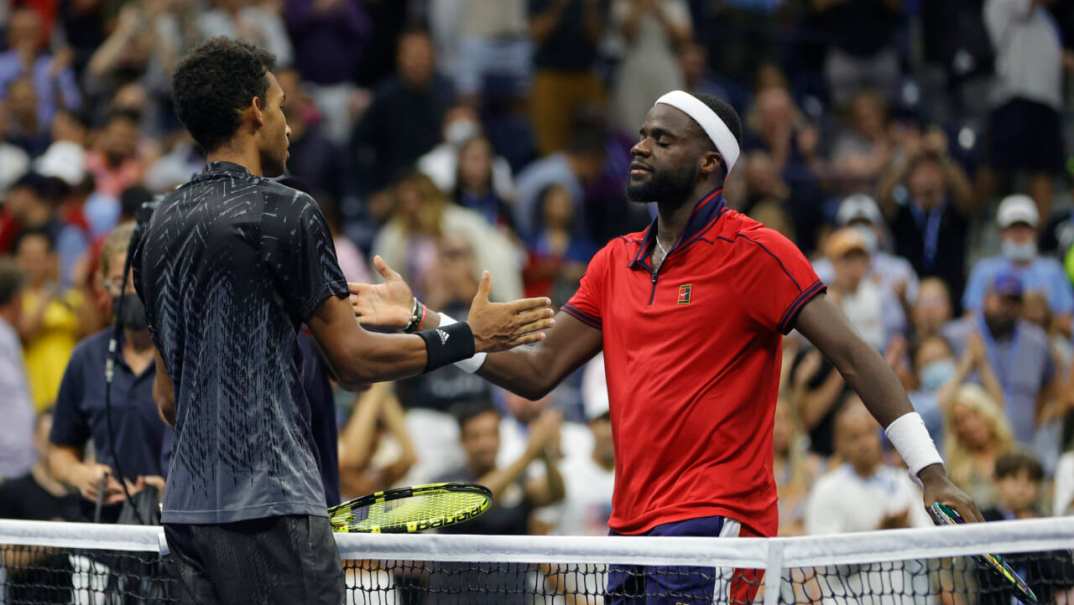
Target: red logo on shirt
(684, 293)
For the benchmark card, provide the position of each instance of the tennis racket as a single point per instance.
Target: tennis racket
(411, 509)
(943, 514)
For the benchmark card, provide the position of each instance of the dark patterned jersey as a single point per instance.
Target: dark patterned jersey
(229, 267)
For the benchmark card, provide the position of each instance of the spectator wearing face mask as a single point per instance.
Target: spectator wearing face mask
(461, 125)
(1018, 221)
(940, 374)
(893, 273)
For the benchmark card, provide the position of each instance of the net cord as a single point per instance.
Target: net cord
(752, 553)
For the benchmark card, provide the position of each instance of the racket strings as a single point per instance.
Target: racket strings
(411, 514)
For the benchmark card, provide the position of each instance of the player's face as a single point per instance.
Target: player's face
(274, 134)
(481, 441)
(666, 159)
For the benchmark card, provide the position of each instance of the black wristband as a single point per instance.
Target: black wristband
(447, 345)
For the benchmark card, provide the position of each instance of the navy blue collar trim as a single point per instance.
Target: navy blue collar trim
(706, 212)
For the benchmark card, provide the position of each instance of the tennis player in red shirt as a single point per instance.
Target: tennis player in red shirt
(690, 314)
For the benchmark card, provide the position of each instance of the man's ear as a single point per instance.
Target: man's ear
(257, 112)
(711, 163)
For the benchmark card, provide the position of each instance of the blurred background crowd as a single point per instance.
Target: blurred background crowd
(918, 152)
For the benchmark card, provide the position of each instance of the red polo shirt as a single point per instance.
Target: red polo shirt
(692, 356)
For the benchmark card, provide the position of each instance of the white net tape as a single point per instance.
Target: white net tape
(785, 561)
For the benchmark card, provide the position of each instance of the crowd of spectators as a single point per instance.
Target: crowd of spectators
(924, 167)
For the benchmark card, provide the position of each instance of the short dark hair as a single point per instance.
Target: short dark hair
(43, 232)
(730, 117)
(10, 280)
(467, 410)
(213, 84)
(1015, 462)
(726, 112)
(132, 199)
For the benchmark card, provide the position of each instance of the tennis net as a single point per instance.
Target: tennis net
(46, 562)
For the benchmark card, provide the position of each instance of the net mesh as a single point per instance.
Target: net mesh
(94, 564)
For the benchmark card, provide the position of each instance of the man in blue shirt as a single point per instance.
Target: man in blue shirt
(1018, 353)
(138, 434)
(1018, 220)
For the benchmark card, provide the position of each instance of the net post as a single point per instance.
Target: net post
(773, 571)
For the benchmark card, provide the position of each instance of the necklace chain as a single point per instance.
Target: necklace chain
(663, 251)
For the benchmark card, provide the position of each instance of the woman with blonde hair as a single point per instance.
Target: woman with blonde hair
(976, 434)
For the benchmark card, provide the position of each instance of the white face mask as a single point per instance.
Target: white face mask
(869, 235)
(1019, 252)
(460, 131)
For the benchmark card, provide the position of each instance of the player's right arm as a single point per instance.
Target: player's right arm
(528, 371)
(534, 371)
(361, 357)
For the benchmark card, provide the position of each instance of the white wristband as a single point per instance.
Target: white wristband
(910, 437)
(471, 365)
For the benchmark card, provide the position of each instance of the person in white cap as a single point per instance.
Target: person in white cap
(690, 315)
(1018, 221)
(894, 274)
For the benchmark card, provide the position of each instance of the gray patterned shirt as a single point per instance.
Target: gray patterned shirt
(229, 267)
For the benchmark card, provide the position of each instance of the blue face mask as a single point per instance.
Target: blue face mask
(936, 374)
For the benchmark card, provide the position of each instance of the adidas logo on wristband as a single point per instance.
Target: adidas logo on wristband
(444, 336)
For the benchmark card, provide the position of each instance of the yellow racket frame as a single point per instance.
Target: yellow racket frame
(411, 509)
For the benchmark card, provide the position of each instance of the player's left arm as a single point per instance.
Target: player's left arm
(869, 375)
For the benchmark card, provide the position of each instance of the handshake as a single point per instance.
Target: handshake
(391, 307)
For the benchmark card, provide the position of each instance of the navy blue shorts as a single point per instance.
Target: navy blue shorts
(636, 585)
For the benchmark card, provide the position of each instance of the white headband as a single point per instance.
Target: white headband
(711, 123)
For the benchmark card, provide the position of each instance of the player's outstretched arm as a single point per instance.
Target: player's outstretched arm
(359, 357)
(862, 367)
(528, 371)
